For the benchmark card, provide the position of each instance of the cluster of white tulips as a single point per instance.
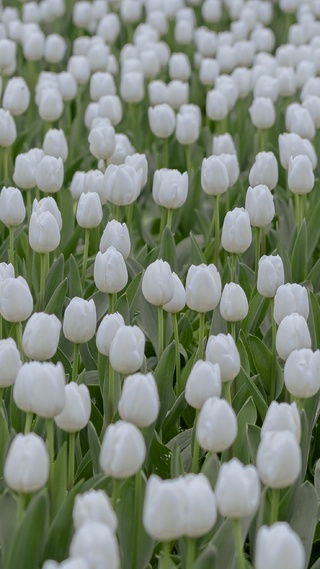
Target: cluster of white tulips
(159, 284)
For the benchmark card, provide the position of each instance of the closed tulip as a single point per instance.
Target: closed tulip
(291, 144)
(110, 107)
(170, 188)
(110, 271)
(300, 174)
(107, 330)
(302, 373)
(48, 204)
(279, 459)
(78, 66)
(16, 302)
(270, 275)
(162, 120)
(236, 234)
(116, 234)
(139, 403)
(10, 362)
(279, 547)
(132, 87)
(138, 162)
(123, 450)
(16, 97)
(95, 542)
(26, 467)
(293, 334)
(50, 105)
(216, 105)
(49, 174)
(264, 170)
(44, 232)
(223, 144)
(203, 287)
(300, 121)
(204, 381)
(127, 349)
(214, 413)
(54, 48)
(282, 417)
(102, 141)
(123, 184)
(25, 168)
(237, 489)
(199, 504)
(233, 303)
(41, 336)
(39, 388)
(76, 411)
(178, 301)
(80, 320)
(187, 128)
(260, 205)
(6, 270)
(289, 298)
(89, 211)
(94, 505)
(163, 512)
(222, 350)
(214, 176)
(55, 144)
(262, 112)
(8, 131)
(157, 283)
(178, 93)
(12, 208)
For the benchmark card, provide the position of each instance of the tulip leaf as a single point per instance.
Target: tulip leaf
(247, 414)
(299, 255)
(253, 439)
(135, 544)
(4, 438)
(224, 542)
(28, 540)
(211, 467)
(185, 331)
(305, 515)
(316, 565)
(168, 248)
(176, 467)
(122, 306)
(8, 522)
(207, 558)
(59, 480)
(258, 399)
(313, 229)
(164, 377)
(75, 288)
(317, 478)
(56, 302)
(258, 307)
(197, 256)
(263, 362)
(94, 448)
(54, 277)
(173, 417)
(314, 276)
(314, 320)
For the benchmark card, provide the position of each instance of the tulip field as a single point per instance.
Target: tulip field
(160, 284)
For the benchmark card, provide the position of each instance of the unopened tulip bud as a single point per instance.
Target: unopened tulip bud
(12, 208)
(204, 381)
(178, 93)
(102, 141)
(110, 271)
(89, 211)
(50, 104)
(127, 349)
(262, 112)
(39, 388)
(302, 373)
(123, 183)
(132, 87)
(107, 331)
(259, 205)
(55, 144)
(139, 403)
(94, 505)
(236, 234)
(162, 120)
(264, 170)
(49, 174)
(76, 412)
(44, 233)
(213, 414)
(291, 144)
(16, 302)
(233, 303)
(10, 362)
(157, 283)
(293, 334)
(237, 489)
(80, 320)
(300, 175)
(222, 350)
(270, 275)
(26, 468)
(123, 450)
(95, 542)
(163, 512)
(290, 298)
(41, 336)
(216, 105)
(8, 131)
(16, 97)
(178, 301)
(279, 547)
(214, 176)
(54, 48)
(203, 287)
(170, 188)
(283, 417)
(116, 235)
(25, 168)
(279, 459)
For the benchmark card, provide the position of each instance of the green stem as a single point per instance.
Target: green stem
(201, 335)
(115, 492)
(166, 152)
(274, 353)
(257, 250)
(6, 150)
(169, 218)
(162, 221)
(233, 330)
(43, 274)
(233, 268)
(196, 446)
(110, 406)
(129, 212)
(188, 161)
(11, 245)
(75, 363)
(164, 557)
(29, 204)
(191, 552)
(226, 391)
(18, 329)
(71, 461)
(238, 542)
(28, 423)
(85, 255)
(112, 302)
(160, 331)
(137, 518)
(274, 507)
(50, 442)
(22, 502)
(177, 353)
(216, 228)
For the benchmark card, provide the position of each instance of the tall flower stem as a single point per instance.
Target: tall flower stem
(169, 218)
(75, 363)
(22, 502)
(85, 255)
(164, 558)
(42, 279)
(50, 442)
(160, 331)
(201, 335)
(11, 245)
(196, 447)
(191, 552)
(177, 353)
(165, 159)
(216, 229)
(273, 377)
(238, 542)
(257, 250)
(18, 330)
(110, 401)
(28, 423)
(112, 301)
(188, 160)
(274, 509)
(71, 461)
(137, 518)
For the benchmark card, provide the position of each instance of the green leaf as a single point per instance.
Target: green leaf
(159, 458)
(255, 393)
(313, 229)
(211, 467)
(168, 248)
(248, 414)
(317, 478)
(305, 515)
(164, 377)
(94, 448)
(54, 277)
(4, 438)
(75, 288)
(197, 256)
(173, 416)
(59, 480)
(207, 558)
(299, 255)
(314, 276)
(253, 438)
(28, 540)
(223, 540)
(314, 320)
(56, 302)
(263, 361)
(185, 331)
(8, 522)
(258, 308)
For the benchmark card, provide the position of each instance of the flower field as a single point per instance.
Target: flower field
(159, 284)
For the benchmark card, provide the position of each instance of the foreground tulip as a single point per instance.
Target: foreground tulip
(213, 414)
(41, 336)
(12, 208)
(80, 320)
(157, 283)
(117, 235)
(279, 547)
(162, 120)
(203, 287)
(110, 271)
(89, 211)
(44, 233)
(49, 174)
(170, 188)
(204, 381)
(95, 542)
(237, 489)
(163, 513)
(264, 170)
(108, 327)
(94, 505)
(279, 459)
(76, 412)
(270, 275)
(16, 97)
(127, 349)
(214, 176)
(26, 468)
(123, 450)
(222, 350)
(39, 388)
(139, 403)
(55, 144)
(302, 373)
(282, 417)
(10, 362)
(123, 184)
(293, 334)
(259, 205)
(236, 234)
(290, 298)
(16, 302)
(300, 174)
(233, 303)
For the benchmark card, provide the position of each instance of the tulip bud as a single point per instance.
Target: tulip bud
(237, 489)
(290, 298)
(279, 459)
(262, 112)
(16, 302)
(67, 85)
(80, 320)
(178, 93)
(178, 301)
(203, 287)
(132, 87)
(283, 417)
(259, 205)
(300, 174)
(293, 334)
(216, 105)
(25, 168)
(123, 450)
(170, 188)
(236, 234)
(162, 120)
(101, 84)
(214, 176)
(204, 381)
(55, 144)
(54, 48)
(116, 235)
(8, 131)
(270, 275)
(33, 45)
(163, 512)
(233, 303)
(102, 141)
(26, 467)
(10, 362)
(300, 121)
(50, 104)
(95, 542)
(123, 184)
(223, 144)
(291, 144)
(139, 403)
(107, 330)
(213, 414)
(89, 211)
(49, 174)
(94, 506)
(264, 170)
(127, 349)
(187, 128)
(157, 283)
(41, 336)
(179, 67)
(110, 271)
(16, 97)
(208, 72)
(39, 388)
(266, 87)
(226, 85)
(222, 350)
(12, 208)
(110, 107)
(138, 162)
(302, 373)
(278, 547)
(44, 233)
(78, 66)
(199, 505)
(76, 412)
